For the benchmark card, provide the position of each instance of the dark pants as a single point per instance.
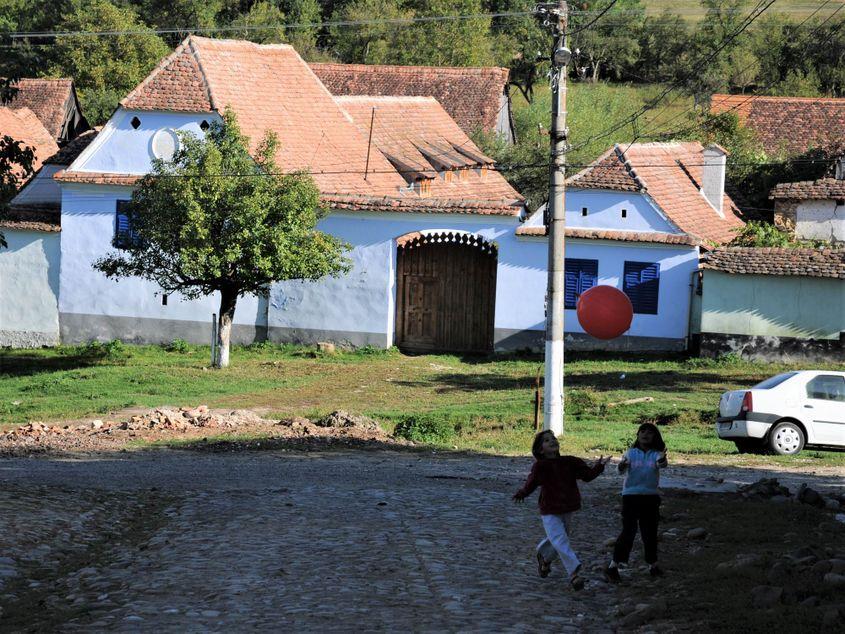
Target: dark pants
(643, 512)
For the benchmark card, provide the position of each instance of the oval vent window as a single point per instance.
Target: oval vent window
(164, 144)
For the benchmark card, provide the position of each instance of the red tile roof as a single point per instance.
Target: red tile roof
(33, 218)
(787, 124)
(424, 205)
(47, 98)
(822, 189)
(471, 96)
(22, 125)
(72, 150)
(606, 234)
(772, 261)
(271, 88)
(423, 142)
(670, 174)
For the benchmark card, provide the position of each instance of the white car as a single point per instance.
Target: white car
(786, 412)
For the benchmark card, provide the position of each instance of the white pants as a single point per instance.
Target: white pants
(556, 544)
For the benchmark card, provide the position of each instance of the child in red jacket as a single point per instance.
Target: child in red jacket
(556, 476)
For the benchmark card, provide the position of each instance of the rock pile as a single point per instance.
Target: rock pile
(341, 419)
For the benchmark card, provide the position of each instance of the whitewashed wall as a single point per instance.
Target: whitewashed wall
(820, 220)
(359, 308)
(29, 288)
(92, 307)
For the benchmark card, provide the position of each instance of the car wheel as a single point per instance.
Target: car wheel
(786, 439)
(747, 446)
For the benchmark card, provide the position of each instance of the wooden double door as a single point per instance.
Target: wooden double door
(445, 293)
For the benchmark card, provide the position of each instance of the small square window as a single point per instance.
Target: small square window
(624, 213)
(135, 123)
(584, 212)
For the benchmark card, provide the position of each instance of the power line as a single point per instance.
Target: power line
(688, 129)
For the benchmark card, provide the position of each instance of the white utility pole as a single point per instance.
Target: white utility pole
(553, 408)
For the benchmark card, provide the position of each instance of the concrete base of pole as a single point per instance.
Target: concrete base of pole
(553, 389)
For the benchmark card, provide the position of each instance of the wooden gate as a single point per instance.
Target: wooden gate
(445, 293)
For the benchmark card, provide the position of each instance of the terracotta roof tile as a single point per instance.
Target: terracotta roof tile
(47, 98)
(22, 125)
(424, 205)
(69, 153)
(177, 84)
(622, 236)
(821, 189)
(787, 124)
(271, 88)
(471, 96)
(424, 142)
(670, 174)
(43, 217)
(772, 261)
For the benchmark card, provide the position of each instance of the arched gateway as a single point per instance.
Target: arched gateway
(445, 292)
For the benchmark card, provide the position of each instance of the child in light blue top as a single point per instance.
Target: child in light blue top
(641, 465)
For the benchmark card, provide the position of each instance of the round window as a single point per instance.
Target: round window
(165, 143)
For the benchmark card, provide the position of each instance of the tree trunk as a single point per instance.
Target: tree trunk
(228, 301)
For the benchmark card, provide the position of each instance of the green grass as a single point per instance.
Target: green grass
(488, 401)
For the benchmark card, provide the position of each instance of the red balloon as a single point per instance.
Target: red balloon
(604, 312)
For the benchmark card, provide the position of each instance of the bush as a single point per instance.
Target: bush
(178, 345)
(580, 402)
(114, 350)
(428, 428)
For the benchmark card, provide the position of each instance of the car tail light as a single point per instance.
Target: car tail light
(747, 403)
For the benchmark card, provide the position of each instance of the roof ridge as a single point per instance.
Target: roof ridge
(626, 163)
(206, 83)
(422, 98)
(408, 68)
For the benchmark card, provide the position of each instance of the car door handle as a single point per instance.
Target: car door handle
(809, 406)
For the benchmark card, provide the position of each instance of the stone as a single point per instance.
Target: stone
(820, 568)
(840, 517)
(832, 618)
(831, 504)
(810, 602)
(837, 566)
(210, 613)
(697, 533)
(96, 424)
(806, 495)
(326, 347)
(766, 596)
(834, 580)
(779, 574)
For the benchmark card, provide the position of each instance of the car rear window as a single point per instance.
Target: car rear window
(774, 381)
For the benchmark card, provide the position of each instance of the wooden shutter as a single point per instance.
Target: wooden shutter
(641, 284)
(580, 275)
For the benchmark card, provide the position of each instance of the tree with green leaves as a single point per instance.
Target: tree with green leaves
(521, 44)
(104, 68)
(303, 38)
(16, 162)
(368, 43)
(264, 14)
(217, 219)
(610, 45)
(463, 42)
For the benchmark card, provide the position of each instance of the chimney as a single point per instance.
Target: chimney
(713, 176)
(840, 168)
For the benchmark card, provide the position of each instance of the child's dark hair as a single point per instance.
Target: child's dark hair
(537, 445)
(657, 445)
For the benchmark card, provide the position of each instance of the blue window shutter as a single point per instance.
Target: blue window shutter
(123, 234)
(641, 283)
(580, 275)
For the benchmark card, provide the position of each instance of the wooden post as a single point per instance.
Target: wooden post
(537, 401)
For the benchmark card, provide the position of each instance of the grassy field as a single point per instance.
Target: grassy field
(487, 402)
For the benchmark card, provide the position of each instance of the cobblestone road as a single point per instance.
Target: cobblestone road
(173, 541)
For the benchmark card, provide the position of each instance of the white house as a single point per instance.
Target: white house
(441, 256)
(637, 219)
(417, 201)
(813, 210)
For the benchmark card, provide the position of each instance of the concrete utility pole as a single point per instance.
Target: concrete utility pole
(557, 17)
